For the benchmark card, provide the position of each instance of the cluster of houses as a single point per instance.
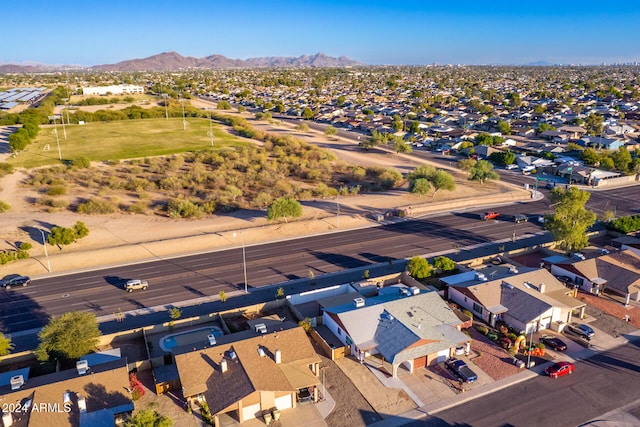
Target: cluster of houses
(272, 366)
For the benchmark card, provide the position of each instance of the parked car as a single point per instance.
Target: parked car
(16, 280)
(133, 284)
(580, 329)
(579, 256)
(553, 343)
(511, 166)
(603, 251)
(518, 218)
(559, 369)
(489, 215)
(460, 369)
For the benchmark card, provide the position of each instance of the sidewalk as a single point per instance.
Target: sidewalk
(604, 343)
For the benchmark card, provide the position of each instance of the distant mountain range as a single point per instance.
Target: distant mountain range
(171, 61)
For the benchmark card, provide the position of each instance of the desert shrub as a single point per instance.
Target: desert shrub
(25, 246)
(81, 162)
(56, 190)
(512, 336)
(4, 206)
(97, 207)
(170, 183)
(482, 329)
(468, 313)
(137, 184)
(5, 169)
(56, 204)
(177, 208)
(137, 208)
(9, 256)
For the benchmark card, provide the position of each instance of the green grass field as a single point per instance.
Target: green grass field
(123, 140)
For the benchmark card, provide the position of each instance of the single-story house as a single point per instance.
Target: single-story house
(93, 394)
(414, 330)
(617, 272)
(267, 368)
(529, 301)
(612, 144)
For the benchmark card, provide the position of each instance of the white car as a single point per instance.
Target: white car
(579, 256)
(511, 166)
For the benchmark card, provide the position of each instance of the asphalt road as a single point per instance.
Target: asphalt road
(205, 275)
(605, 382)
(196, 276)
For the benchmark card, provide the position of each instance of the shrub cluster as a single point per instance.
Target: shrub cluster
(625, 224)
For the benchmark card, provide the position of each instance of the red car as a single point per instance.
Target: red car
(489, 215)
(559, 369)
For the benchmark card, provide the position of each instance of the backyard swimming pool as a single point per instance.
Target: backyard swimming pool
(189, 337)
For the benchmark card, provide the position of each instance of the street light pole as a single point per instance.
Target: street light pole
(46, 254)
(338, 210)
(55, 130)
(244, 260)
(210, 128)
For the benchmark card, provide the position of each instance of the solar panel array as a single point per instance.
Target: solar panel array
(13, 97)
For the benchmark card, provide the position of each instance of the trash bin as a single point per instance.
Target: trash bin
(267, 418)
(276, 415)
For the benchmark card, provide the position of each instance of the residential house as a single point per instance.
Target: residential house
(602, 143)
(531, 300)
(484, 151)
(628, 242)
(250, 372)
(575, 132)
(93, 394)
(406, 328)
(617, 272)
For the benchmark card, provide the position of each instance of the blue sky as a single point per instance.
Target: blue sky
(373, 32)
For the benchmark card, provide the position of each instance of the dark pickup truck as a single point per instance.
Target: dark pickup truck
(460, 369)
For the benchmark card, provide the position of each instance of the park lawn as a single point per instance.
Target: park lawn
(126, 139)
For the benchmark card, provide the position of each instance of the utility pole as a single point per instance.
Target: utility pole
(46, 254)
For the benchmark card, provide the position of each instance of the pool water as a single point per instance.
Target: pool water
(189, 337)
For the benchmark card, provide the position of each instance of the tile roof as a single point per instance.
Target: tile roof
(419, 324)
(103, 387)
(200, 371)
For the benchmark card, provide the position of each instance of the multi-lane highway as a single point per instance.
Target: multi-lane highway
(186, 278)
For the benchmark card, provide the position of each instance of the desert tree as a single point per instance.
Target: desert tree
(69, 336)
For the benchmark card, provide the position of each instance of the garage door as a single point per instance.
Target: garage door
(420, 362)
(545, 323)
(443, 355)
(283, 402)
(251, 411)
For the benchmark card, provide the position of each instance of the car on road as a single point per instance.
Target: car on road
(16, 280)
(553, 343)
(518, 218)
(134, 284)
(511, 166)
(580, 329)
(489, 215)
(559, 369)
(461, 370)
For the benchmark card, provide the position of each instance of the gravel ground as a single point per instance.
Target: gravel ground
(352, 409)
(609, 313)
(494, 360)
